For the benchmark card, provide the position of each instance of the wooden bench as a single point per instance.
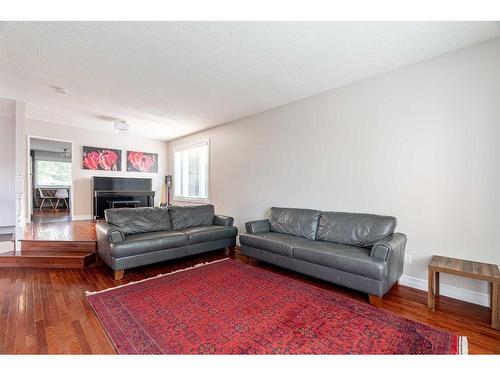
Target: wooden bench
(466, 268)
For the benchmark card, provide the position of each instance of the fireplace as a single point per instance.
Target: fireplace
(118, 192)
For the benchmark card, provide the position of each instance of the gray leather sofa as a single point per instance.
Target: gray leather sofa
(359, 251)
(132, 237)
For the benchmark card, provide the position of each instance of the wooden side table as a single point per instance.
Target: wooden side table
(466, 268)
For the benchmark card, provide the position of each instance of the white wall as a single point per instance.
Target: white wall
(420, 143)
(7, 165)
(84, 137)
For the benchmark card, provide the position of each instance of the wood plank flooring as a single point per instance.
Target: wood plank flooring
(54, 244)
(50, 216)
(45, 311)
(83, 230)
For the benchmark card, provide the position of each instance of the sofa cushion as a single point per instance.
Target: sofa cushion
(278, 243)
(354, 229)
(350, 259)
(294, 221)
(208, 233)
(148, 242)
(139, 220)
(191, 216)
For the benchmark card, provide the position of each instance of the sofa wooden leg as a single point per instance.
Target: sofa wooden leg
(230, 251)
(119, 274)
(375, 300)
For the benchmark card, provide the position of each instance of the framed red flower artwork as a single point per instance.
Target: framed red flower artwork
(138, 161)
(102, 159)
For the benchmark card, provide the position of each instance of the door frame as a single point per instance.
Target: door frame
(29, 206)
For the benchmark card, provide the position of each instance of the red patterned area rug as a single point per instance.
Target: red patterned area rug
(228, 307)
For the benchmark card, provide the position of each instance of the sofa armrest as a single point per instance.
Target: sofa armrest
(258, 226)
(383, 249)
(223, 220)
(108, 232)
(107, 235)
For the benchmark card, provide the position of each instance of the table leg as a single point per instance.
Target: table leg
(491, 295)
(436, 283)
(431, 298)
(495, 306)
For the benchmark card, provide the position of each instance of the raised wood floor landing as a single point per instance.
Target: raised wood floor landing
(45, 311)
(55, 244)
(82, 230)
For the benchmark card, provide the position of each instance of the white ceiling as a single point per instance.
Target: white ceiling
(169, 79)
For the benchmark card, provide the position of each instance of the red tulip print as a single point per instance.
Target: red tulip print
(142, 162)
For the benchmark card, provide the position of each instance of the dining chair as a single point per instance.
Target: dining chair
(45, 197)
(62, 194)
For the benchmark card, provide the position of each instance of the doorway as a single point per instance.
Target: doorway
(50, 180)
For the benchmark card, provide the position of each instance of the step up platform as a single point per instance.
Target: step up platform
(35, 246)
(47, 259)
(55, 245)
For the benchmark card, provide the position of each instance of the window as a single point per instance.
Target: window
(52, 173)
(191, 172)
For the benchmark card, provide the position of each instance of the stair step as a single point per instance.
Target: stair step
(62, 246)
(47, 259)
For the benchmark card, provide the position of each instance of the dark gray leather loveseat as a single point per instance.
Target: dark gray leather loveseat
(359, 251)
(132, 237)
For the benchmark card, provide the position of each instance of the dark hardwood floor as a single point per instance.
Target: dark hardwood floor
(82, 230)
(45, 311)
(50, 216)
(63, 244)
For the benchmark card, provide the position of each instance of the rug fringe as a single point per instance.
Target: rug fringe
(89, 293)
(463, 345)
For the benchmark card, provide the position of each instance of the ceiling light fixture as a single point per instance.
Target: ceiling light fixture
(121, 126)
(59, 89)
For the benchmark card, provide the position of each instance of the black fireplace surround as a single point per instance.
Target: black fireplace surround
(116, 192)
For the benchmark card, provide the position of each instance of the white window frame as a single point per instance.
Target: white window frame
(184, 147)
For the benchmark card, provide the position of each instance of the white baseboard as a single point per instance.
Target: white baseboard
(7, 230)
(467, 295)
(81, 217)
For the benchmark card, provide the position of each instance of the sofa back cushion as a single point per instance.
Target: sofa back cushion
(354, 229)
(295, 221)
(139, 220)
(191, 216)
